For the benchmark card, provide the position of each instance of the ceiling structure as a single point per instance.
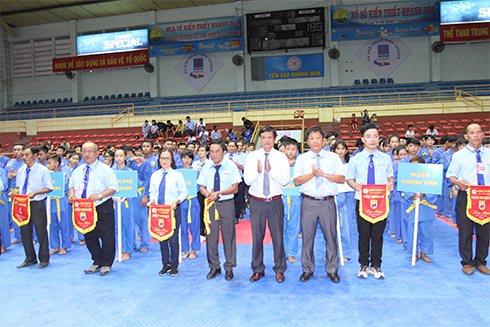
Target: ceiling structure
(19, 13)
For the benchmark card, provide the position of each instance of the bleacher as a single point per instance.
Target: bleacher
(322, 97)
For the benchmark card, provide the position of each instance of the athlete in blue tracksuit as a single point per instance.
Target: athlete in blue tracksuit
(4, 217)
(435, 158)
(447, 194)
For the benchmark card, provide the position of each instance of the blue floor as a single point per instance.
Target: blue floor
(436, 294)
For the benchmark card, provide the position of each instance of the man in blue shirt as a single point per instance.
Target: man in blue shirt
(219, 182)
(190, 125)
(97, 183)
(34, 180)
(318, 172)
(361, 170)
(471, 166)
(11, 169)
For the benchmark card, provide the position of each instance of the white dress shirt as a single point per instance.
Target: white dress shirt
(174, 186)
(279, 173)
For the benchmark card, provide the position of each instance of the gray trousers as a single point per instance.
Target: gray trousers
(260, 211)
(226, 211)
(326, 211)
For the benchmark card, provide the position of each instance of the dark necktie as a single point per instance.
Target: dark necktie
(266, 186)
(161, 190)
(481, 178)
(85, 183)
(370, 176)
(216, 179)
(24, 188)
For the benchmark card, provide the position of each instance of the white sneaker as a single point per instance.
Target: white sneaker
(376, 271)
(363, 272)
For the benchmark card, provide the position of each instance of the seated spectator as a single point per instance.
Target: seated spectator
(65, 144)
(410, 132)
(153, 130)
(365, 117)
(353, 123)
(204, 135)
(201, 124)
(247, 124)
(162, 129)
(145, 129)
(232, 135)
(192, 138)
(179, 129)
(247, 134)
(49, 145)
(432, 131)
(215, 134)
(190, 125)
(170, 128)
(374, 120)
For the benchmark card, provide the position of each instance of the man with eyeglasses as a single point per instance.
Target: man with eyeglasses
(97, 182)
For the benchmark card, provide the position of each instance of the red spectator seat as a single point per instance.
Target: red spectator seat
(380, 130)
(102, 135)
(443, 122)
(423, 128)
(454, 121)
(119, 135)
(420, 122)
(418, 134)
(401, 129)
(409, 123)
(466, 121)
(344, 126)
(387, 124)
(432, 122)
(484, 126)
(389, 130)
(37, 139)
(110, 135)
(345, 138)
(486, 132)
(401, 135)
(351, 151)
(477, 120)
(344, 132)
(356, 131)
(356, 137)
(398, 124)
(452, 134)
(458, 127)
(128, 135)
(447, 127)
(487, 119)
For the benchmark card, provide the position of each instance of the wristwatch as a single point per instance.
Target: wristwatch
(100, 195)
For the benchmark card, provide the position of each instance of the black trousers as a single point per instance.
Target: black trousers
(105, 233)
(201, 198)
(466, 227)
(40, 221)
(370, 240)
(171, 258)
(239, 199)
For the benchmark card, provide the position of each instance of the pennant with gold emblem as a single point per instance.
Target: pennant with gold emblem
(478, 206)
(374, 205)
(21, 210)
(84, 215)
(161, 221)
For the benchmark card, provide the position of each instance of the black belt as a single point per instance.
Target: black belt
(266, 199)
(319, 199)
(222, 201)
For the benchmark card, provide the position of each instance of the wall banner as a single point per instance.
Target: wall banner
(383, 56)
(111, 60)
(198, 69)
(300, 66)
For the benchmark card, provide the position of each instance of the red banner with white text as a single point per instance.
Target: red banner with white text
(110, 60)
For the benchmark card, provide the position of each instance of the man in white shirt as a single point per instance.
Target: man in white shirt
(267, 171)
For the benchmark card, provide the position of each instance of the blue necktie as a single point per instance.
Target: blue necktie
(216, 179)
(24, 188)
(266, 187)
(318, 178)
(85, 183)
(370, 177)
(481, 178)
(161, 190)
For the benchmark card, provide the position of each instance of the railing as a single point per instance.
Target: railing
(13, 126)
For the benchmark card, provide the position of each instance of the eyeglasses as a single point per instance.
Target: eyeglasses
(165, 158)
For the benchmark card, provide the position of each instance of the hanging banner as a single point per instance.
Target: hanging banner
(467, 11)
(58, 184)
(210, 35)
(84, 215)
(420, 178)
(465, 32)
(478, 205)
(198, 69)
(123, 59)
(392, 19)
(290, 188)
(383, 56)
(21, 210)
(190, 177)
(300, 66)
(128, 184)
(374, 205)
(112, 42)
(161, 222)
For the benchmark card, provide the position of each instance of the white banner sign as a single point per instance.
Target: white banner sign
(198, 69)
(383, 56)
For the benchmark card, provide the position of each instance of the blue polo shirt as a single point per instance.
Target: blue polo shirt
(228, 173)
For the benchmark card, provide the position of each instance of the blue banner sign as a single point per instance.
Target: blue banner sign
(301, 66)
(190, 177)
(58, 184)
(112, 42)
(420, 178)
(212, 35)
(393, 19)
(472, 11)
(290, 188)
(128, 184)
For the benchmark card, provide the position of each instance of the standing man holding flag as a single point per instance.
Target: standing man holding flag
(97, 182)
(370, 167)
(470, 172)
(33, 180)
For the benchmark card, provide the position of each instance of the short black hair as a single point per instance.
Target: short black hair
(431, 127)
(452, 139)
(188, 117)
(187, 153)
(359, 143)
(444, 139)
(266, 129)
(219, 142)
(332, 133)
(56, 158)
(147, 141)
(399, 148)
(43, 148)
(368, 127)
(410, 125)
(414, 141)
(461, 140)
(485, 141)
(230, 141)
(429, 136)
(75, 154)
(418, 159)
(393, 137)
(314, 129)
(61, 147)
(292, 141)
(34, 149)
(19, 143)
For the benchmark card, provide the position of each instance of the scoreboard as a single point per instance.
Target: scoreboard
(286, 29)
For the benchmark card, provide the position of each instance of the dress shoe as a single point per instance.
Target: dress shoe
(280, 277)
(334, 277)
(305, 277)
(213, 273)
(105, 270)
(165, 270)
(468, 270)
(27, 263)
(229, 275)
(256, 276)
(240, 215)
(92, 269)
(43, 264)
(174, 271)
(483, 269)
(236, 221)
